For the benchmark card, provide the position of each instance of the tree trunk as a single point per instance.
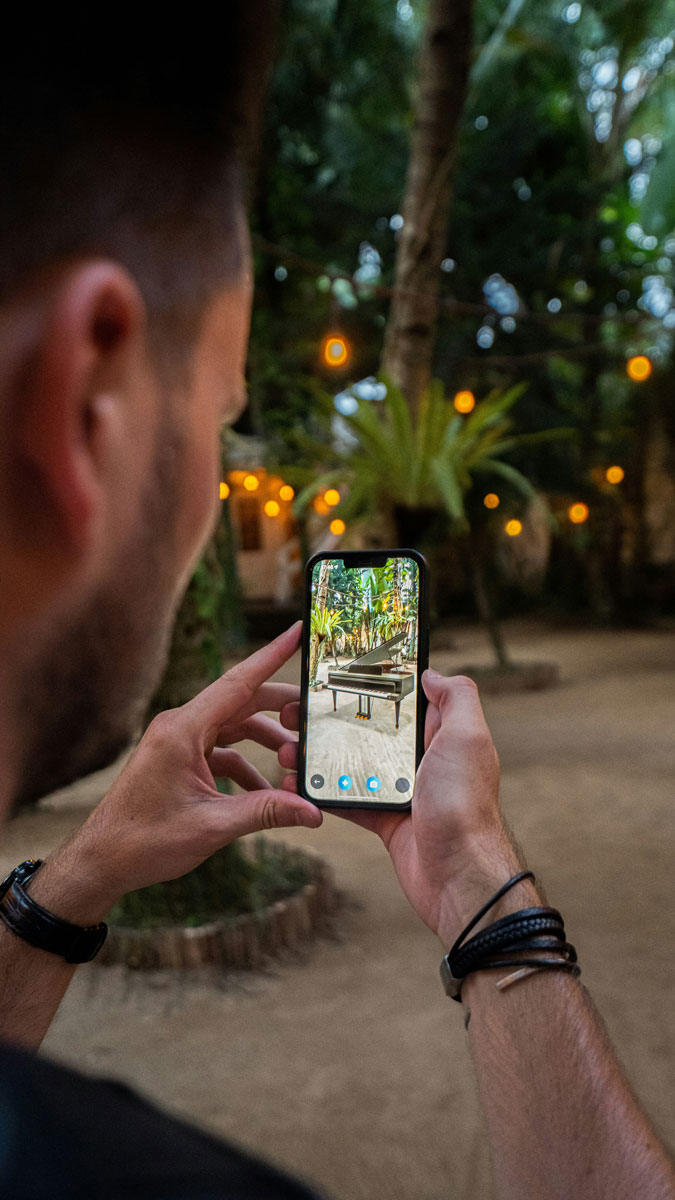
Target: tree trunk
(317, 641)
(484, 604)
(443, 75)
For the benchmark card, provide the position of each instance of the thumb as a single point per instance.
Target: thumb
(272, 808)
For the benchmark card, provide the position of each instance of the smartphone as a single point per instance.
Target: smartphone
(365, 645)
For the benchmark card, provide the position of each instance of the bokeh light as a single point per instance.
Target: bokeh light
(614, 474)
(491, 500)
(639, 368)
(337, 526)
(335, 351)
(464, 402)
(332, 497)
(513, 527)
(578, 513)
(251, 483)
(237, 476)
(223, 491)
(272, 509)
(320, 506)
(286, 492)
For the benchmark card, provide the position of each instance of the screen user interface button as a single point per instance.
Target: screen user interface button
(344, 783)
(317, 781)
(402, 784)
(373, 783)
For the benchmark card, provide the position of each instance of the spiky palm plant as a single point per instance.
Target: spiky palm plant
(414, 467)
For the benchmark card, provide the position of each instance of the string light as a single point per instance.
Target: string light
(615, 474)
(251, 483)
(513, 528)
(320, 506)
(223, 491)
(334, 351)
(639, 368)
(578, 513)
(337, 527)
(286, 492)
(272, 509)
(491, 500)
(237, 476)
(332, 497)
(464, 402)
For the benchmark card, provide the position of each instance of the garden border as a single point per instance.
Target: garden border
(243, 942)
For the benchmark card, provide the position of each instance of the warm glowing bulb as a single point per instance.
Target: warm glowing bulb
(578, 513)
(335, 351)
(224, 491)
(320, 506)
(272, 508)
(251, 483)
(464, 402)
(614, 474)
(491, 500)
(337, 527)
(514, 527)
(332, 497)
(639, 367)
(237, 476)
(286, 492)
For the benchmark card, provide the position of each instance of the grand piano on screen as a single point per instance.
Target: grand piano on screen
(373, 676)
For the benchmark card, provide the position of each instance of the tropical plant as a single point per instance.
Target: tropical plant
(324, 628)
(412, 467)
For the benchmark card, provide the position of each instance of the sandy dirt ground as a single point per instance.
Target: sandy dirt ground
(351, 1067)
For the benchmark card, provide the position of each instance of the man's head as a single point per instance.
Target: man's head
(123, 322)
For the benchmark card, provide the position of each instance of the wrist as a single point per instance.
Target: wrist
(487, 868)
(73, 885)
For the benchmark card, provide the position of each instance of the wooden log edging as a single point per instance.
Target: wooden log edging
(282, 929)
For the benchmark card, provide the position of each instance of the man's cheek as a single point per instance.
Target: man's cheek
(201, 499)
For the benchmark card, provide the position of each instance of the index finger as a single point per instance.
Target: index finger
(223, 699)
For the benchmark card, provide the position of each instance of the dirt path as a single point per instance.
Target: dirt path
(351, 1068)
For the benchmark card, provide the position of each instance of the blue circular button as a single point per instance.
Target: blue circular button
(345, 782)
(373, 784)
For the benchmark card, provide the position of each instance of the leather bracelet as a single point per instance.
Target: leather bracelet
(506, 933)
(539, 929)
(42, 929)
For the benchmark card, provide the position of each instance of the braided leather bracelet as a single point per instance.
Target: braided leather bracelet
(530, 930)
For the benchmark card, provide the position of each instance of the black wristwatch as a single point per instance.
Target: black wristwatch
(33, 923)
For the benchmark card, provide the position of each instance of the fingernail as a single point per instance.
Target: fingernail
(430, 671)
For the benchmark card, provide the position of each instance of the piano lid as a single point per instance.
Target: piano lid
(376, 655)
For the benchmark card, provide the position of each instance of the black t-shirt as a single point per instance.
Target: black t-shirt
(64, 1136)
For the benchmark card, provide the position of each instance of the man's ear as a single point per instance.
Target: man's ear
(83, 350)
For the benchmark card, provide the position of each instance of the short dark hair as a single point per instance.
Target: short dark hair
(126, 146)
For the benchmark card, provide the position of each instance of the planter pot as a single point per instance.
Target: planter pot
(243, 942)
(520, 677)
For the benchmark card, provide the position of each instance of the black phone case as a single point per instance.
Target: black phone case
(365, 558)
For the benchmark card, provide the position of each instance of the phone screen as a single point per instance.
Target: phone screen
(362, 720)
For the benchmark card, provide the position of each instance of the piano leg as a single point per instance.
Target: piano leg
(397, 705)
(334, 704)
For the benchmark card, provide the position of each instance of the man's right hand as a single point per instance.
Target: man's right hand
(453, 849)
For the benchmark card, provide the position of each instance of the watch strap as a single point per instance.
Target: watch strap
(34, 924)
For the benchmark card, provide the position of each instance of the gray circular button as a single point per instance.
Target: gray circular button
(317, 781)
(402, 785)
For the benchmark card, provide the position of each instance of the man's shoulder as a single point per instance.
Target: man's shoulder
(66, 1134)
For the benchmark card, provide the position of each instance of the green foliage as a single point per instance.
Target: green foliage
(325, 623)
(225, 885)
(430, 461)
